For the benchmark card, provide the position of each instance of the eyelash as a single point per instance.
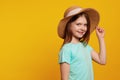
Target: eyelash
(78, 24)
(81, 24)
(85, 24)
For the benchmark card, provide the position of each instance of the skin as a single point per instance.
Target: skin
(79, 28)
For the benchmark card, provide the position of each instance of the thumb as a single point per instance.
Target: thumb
(97, 30)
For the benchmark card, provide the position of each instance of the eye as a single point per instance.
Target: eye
(85, 25)
(78, 24)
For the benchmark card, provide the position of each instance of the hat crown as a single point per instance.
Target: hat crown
(72, 10)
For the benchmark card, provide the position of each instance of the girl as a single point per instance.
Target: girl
(75, 56)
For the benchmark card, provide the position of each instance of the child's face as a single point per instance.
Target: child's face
(79, 27)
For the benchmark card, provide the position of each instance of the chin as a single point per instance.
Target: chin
(79, 36)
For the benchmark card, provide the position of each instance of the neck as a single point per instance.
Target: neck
(75, 40)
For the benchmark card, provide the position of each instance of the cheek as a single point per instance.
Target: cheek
(85, 28)
(72, 30)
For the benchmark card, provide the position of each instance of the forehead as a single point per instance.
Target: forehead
(81, 19)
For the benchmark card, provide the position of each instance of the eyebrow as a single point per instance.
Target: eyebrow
(80, 23)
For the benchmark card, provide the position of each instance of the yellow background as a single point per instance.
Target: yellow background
(29, 43)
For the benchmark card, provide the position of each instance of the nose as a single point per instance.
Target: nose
(83, 27)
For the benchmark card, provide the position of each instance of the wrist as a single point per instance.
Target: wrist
(101, 39)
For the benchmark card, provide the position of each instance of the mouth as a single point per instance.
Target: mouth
(80, 32)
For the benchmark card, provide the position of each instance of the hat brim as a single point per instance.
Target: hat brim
(93, 16)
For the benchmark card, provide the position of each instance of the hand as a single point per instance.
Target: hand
(100, 32)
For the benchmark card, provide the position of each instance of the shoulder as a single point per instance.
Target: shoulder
(89, 48)
(66, 47)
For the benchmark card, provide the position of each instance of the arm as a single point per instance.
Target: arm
(64, 69)
(101, 56)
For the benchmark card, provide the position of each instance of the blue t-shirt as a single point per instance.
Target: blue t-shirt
(80, 60)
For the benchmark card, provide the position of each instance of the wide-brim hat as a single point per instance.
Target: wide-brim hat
(74, 10)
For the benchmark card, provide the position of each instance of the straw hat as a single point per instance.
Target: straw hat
(74, 10)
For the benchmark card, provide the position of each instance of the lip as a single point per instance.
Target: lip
(80, 32)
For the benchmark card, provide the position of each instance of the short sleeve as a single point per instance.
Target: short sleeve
(89, 48)
(65, 55)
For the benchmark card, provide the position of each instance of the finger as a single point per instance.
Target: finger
(97, 28)
(102, 29)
